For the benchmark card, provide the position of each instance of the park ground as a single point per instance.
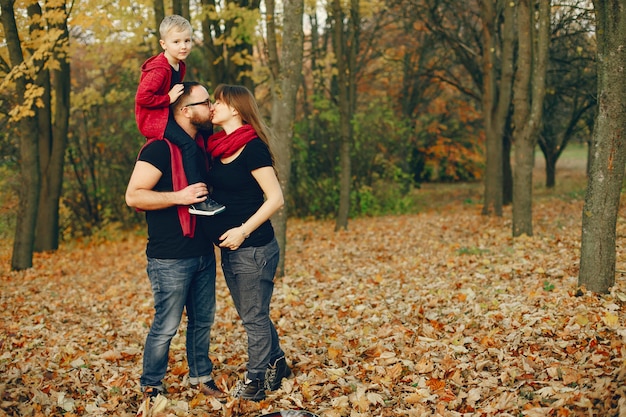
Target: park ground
(438, 313)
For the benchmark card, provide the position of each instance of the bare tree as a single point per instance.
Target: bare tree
(608, 151)
(481, 35)
(570, 100)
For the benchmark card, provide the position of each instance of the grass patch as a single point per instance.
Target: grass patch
(471, 251)
(571, 183)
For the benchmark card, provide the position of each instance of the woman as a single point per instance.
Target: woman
(244, 180)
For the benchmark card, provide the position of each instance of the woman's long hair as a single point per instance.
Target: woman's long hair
(242, 100)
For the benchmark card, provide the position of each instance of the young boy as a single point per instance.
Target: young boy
(160, 86)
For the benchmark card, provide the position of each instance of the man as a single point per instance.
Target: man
(181, 261)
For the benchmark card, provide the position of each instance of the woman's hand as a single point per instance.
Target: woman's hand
(233, 238)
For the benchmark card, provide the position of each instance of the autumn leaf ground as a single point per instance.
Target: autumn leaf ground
(440, 313)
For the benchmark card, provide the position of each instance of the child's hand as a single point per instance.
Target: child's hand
(175, 92)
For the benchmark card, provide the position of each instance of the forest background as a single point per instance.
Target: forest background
(416, 98)
(393, 98)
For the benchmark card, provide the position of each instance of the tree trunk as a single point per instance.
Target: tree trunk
(27, 128)
(214, 71)
(24, 240)
(550, 171)
(52, 151)
(608, 152)
(341, 43)
(159, 15)
(286, 74)
(496, 101)
(345, 165)
(522, 172)
(43, 116)
(528, 94)
(507, 171)
(177, 7)
(185, 11)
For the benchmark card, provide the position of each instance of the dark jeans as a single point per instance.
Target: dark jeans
(249, 274)
(179, 284)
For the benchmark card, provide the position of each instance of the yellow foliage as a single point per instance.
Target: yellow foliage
(116, 95)
(241, 58)
(87, 98)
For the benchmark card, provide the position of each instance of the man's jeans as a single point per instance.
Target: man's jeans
(249, 274)
(177, 284)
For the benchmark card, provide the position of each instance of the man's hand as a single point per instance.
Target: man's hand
(194, 193)
(140, 192)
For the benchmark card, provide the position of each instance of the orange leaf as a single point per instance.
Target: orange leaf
(435, 384)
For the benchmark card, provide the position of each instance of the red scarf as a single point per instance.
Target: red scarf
(221, 145)
(179, 181)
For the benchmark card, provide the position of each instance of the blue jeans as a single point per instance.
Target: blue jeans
(178, 284)
(249, 274)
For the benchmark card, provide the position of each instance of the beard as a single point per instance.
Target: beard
(205, 127)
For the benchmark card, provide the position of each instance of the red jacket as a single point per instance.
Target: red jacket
(152, 103)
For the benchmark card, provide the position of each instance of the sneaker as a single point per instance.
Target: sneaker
(210, 389)
(276, 371)
(248, 389)
(151, 392)
(207, 208)
(153, 402)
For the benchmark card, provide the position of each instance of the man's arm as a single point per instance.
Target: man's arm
(140, 192)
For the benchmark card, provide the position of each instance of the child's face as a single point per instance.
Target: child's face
(176, 45)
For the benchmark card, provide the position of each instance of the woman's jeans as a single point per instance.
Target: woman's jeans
(249, 274)
(178, 284)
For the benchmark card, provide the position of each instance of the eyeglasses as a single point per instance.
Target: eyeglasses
(206, 102)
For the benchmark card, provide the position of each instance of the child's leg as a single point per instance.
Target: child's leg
(192, 161)
(194, 166)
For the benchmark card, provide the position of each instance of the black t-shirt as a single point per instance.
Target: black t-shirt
(175, 77)
(235, 187)
(165, 234)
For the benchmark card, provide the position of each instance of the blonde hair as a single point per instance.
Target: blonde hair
(242, 100)
(174, 22)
